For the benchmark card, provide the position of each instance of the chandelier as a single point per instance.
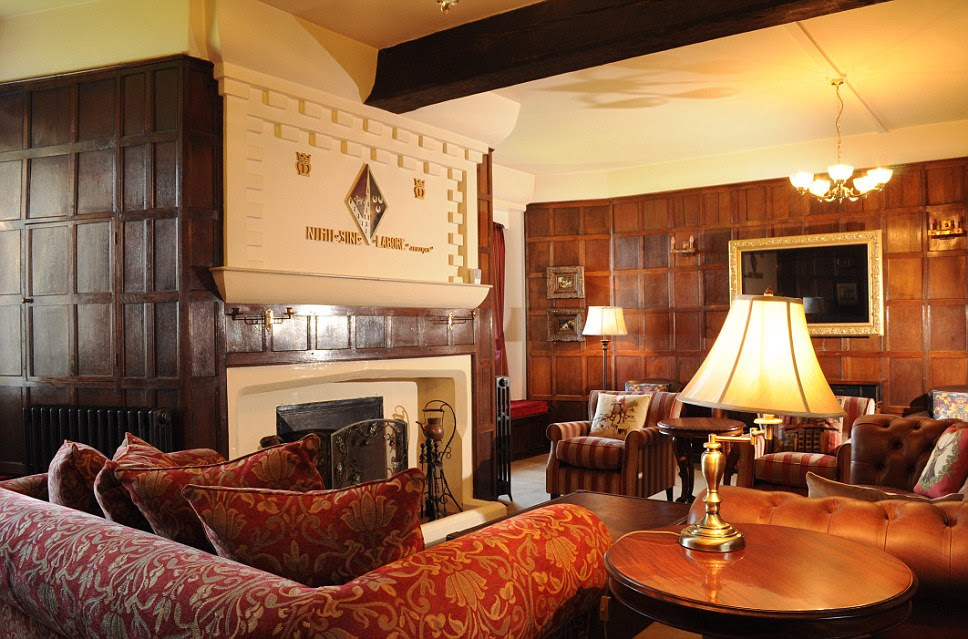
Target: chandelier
(446, 5)
(836, 188)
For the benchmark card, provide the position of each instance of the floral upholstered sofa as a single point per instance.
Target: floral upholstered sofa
(67, 573)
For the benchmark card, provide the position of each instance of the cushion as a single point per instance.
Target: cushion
(318, 538)
(615, 415)
(818, 486)
(134, 451)
(646, 387)
(602, 453)
(521, 408)
(157, 492)
(947, 468)
(949, 405)
(790, 468)
(70, 477)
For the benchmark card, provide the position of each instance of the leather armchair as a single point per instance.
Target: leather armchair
(889, 451)
(761, 463)
(641, 465)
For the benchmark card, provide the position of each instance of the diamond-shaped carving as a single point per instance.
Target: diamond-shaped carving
(366, 203)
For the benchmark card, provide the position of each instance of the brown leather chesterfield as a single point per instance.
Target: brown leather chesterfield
(932, 539)
(888, 450)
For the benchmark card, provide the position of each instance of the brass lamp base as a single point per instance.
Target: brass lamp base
(712, 539)
(711, 533)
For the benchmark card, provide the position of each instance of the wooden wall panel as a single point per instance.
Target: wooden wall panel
(99, 303)
(676, 304)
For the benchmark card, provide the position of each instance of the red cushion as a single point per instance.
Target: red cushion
(947, 468)
(134, 451)
(790, 468)
(527, 408)
(157, 492)
(318, 538)
(70, 477)
(601, 453)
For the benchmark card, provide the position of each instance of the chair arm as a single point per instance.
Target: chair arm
(32, 486)
(746, 453)
(638, 439)
(843, 462)
(566, 430)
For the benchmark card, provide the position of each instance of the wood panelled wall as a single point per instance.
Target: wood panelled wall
(110, 215)
(675, 304)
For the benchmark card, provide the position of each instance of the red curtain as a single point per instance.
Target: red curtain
(500, 351)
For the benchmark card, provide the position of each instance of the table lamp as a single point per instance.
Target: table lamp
(762, 362)
(605, 321)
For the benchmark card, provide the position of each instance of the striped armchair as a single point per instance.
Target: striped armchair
(799, 446)
(641, 465)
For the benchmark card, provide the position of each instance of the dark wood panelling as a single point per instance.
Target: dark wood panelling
(678, 303)
(112, 311)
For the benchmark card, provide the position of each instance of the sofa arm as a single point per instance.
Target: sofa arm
(566, 430)
(31, 485)
(932, 539)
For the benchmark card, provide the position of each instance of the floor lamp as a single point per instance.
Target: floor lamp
(605, 321)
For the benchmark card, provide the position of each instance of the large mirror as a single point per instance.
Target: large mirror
(838, 275)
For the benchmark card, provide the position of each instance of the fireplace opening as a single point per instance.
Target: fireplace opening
(357, 443)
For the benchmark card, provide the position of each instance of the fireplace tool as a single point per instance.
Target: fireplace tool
(439, 416)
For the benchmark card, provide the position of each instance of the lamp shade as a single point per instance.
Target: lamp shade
(605, 320)
(763, 362)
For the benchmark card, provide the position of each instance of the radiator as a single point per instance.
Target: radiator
(502, 395)
(46, 428)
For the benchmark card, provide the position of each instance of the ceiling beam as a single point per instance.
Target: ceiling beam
(560, 36)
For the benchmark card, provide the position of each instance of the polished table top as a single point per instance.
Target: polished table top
(786, 582)
(699, 426)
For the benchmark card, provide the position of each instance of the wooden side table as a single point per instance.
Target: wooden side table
(690, 432)
(786, 582)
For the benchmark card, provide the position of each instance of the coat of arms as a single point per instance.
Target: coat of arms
(366, 203)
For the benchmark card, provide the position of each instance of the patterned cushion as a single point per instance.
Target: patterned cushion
(949, 405)
(790, 468)
(134, 451)
(318, 538)
(70, 477)
(602, 453)
(615, 415)
(157, 491)
(646, 387)
(947, 468)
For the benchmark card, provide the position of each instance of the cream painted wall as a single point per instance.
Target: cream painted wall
(94, 34)
(899, 146)
(512, 191)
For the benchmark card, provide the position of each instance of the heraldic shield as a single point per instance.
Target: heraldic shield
(366, 203)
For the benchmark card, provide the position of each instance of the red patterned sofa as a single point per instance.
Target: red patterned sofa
(65, 573)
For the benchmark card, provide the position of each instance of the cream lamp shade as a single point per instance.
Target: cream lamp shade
(605, 320)
(763, 362)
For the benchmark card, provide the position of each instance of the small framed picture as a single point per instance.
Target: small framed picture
(566, 281)
(565, 325)
(847, 294)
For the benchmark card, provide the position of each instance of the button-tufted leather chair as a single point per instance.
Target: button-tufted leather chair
(641, 465)
(888, 450)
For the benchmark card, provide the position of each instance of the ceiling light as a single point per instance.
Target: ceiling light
(445, 5)
(836, 187)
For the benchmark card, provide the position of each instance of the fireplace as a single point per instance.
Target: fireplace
(357, 444)
(406, 385)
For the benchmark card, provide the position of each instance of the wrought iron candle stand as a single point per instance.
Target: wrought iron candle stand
(439, 416)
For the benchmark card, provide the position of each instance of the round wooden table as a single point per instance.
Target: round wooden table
(786, 582)
(690, 432)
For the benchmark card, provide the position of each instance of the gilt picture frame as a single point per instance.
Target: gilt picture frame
(565, 282)
(565, 324)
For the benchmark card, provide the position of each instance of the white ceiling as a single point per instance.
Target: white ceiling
(906, 64)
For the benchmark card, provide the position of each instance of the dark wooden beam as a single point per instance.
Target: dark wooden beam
(559, 36)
